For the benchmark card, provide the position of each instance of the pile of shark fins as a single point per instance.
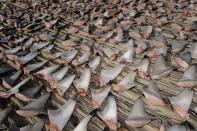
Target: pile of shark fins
(99, 65)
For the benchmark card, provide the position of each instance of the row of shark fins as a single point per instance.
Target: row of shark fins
(59, 117)
(131, 47)
(55, 74)
(160, 68)
(181, 61)
(181, 103)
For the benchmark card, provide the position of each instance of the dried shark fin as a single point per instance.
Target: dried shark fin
(177, 46)
(38, 46)
(183, 60)
(79, 23)
(99, 95)
(13, 50)
(181, 103)
(189, 78)
(28, 43)
(125, 25)
(106, 13)
(82, 59)
(159, 41)
(60, 37)
(21, 53)
(85, 30)
(125, 84)
(45, 73)
(58, 118)
(68, 56)
(25, 59)
(148, 32)
(3, 115)
(109, 113)
(128, 56)
(48, 48)
(38, 126)
(43, 37)
(68, 44)
(63, 85)
(151, 93)
(86, 45)
(108, 75)
(118, 38)
(107, 35)
(142, 68)
(94, 63)
(51, 56)
(160, 68)
(14, 89)
(158, 51)
(141, 47)
(82, 126)
(98, 22)
(73, 30)
(59, 73)
(32, 67)
(29, 93)
(129, 44)
(20, 40)
(98, 49)
(194, 50)
(49, 24)
(82, 83)
(35, 107)
(9, 81)
(85, 48)
(138, 116)
(110, 53)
